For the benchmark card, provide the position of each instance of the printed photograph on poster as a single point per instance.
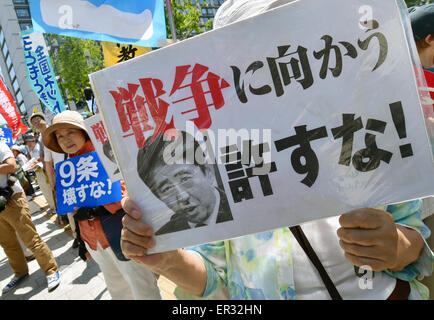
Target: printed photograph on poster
(193, 191)
(100, 139)
(298, 128)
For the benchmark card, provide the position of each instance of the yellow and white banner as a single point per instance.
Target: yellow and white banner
(115, 53)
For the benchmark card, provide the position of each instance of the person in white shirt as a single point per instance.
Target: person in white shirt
(37, 156)
(33, 147)
(15, 219)
(50, 160)
(22, 160)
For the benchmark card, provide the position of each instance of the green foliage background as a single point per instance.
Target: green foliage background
(186, 15)
(72, 65)
(411, 3)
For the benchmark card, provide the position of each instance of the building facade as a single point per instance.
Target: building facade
(209, 9)
(14, 17)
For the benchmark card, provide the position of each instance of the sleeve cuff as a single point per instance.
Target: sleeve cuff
(212, 282)
(422, 267)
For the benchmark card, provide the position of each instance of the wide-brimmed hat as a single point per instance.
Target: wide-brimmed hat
(64, 120)
(422, 20)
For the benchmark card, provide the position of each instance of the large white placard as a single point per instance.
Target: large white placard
(330, 101)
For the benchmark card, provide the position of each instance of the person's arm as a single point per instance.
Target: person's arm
(410, 247)
(409, 214)
(186, 269)
(41, 154)
(371, 237)
(8, 166)
(49, 168)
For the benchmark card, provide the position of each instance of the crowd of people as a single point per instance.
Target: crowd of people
(322, 259)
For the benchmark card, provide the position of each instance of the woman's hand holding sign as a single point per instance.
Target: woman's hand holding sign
(136, 237)
(371, 237)
(183, 267)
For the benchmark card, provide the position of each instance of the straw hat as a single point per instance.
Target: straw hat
(64, 120)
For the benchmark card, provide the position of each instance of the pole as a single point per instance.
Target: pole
(171, 21)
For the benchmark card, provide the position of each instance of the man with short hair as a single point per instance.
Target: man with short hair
(38, 122)
(36, 152)
(190, 190)
(51, 158)
(15, 219)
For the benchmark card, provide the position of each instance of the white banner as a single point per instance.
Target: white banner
(135, 22)
(330, 107)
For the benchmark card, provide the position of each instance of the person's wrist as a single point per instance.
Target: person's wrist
(407, 252)
(171, 262)
(402, 243)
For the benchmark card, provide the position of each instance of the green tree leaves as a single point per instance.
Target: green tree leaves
(73, 60)
(186, 15)
(411, 3)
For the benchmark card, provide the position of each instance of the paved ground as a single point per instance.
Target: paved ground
(79, 280)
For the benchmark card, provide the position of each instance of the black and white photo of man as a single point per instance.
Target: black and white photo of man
(193, 191)
(108, 152)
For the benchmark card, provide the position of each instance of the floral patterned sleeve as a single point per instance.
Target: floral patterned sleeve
(214, 257)
(408, 214)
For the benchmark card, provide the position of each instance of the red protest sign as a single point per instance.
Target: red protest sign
(429, 76)
(9, 112)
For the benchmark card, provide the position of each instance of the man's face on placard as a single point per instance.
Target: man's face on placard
(186, 189)
(108, 151)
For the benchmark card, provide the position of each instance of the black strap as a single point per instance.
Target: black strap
(304, 243)
(85, 213)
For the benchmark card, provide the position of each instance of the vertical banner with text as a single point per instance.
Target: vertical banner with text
(40, 71)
